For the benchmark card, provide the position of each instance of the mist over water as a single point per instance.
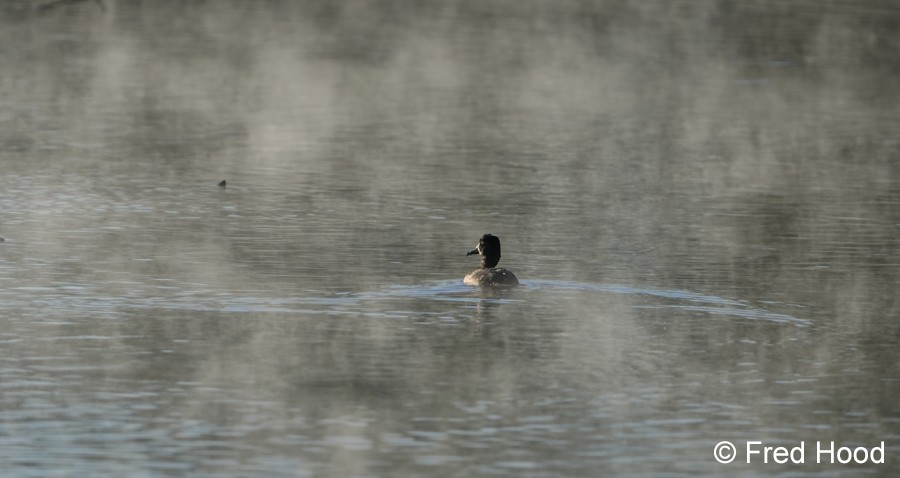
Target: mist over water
(700, 198)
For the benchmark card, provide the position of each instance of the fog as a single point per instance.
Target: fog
(701, 199)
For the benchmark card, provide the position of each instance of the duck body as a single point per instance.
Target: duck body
(489, 275)
(496, 277)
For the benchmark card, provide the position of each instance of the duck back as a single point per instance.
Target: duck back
(491, 278)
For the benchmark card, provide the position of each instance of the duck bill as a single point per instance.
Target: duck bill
(472, 252)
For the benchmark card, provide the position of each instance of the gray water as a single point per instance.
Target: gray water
(701, 200)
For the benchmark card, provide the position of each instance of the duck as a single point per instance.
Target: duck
(489, 275)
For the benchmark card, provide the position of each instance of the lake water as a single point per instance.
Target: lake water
(701, 200)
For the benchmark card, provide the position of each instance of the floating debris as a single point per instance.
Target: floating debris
(222, 183)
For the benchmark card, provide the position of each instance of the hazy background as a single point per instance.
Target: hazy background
(702, 199)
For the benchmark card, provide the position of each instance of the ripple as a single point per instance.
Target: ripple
(200, 298)
(715, 305)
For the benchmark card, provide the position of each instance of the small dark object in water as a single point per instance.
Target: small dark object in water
(2, 239)
(222, 183)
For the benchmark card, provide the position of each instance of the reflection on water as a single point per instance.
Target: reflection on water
(702, 201)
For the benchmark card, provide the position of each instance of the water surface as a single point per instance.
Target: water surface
(702, 201)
